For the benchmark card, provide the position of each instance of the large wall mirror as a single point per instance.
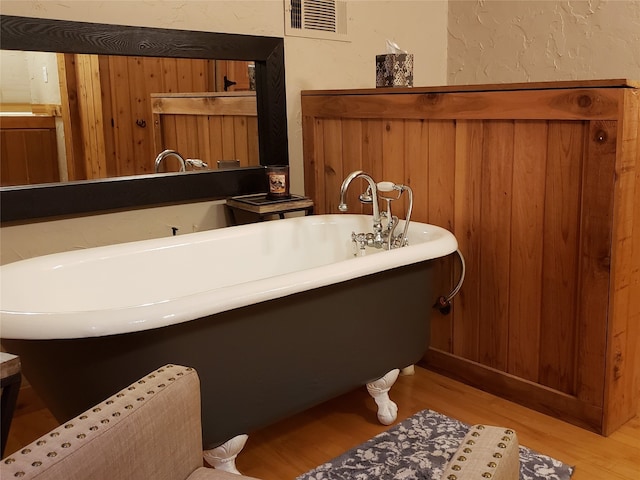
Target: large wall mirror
(26, 202)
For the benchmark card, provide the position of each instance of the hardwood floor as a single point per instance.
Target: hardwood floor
(297, 444)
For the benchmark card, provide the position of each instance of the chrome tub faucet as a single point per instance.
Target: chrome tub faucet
(380, 237)
(369, 196)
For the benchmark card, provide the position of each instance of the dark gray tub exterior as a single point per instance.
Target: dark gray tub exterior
(257, 364)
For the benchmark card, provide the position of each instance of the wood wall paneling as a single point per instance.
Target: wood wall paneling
(28, 150)
(215, 128)
(539, 187)
(111, 97)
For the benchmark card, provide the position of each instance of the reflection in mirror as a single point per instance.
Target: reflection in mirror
(79, 117)
(89, 51)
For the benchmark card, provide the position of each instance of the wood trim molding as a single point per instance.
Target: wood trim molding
(516, 389)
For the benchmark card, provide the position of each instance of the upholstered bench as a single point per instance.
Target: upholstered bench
(151, 429)
(485, 452)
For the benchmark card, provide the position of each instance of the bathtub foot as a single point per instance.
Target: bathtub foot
(408, 371)
(224, 456)
(379, 390)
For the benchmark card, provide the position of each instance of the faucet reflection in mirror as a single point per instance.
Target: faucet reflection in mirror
(383, 237)
(191, 162)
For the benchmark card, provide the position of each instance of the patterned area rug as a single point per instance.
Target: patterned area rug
(419, 448)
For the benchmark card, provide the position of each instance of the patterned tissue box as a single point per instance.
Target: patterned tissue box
(394, 70)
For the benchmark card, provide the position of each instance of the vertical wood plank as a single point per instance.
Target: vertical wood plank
(351, 161)
(228, 144)
(119, 75)
(90, 100)
(416, 174)
(332, 140)
(199, 75)
(372, 130)
(170, 84)
(495, 250)
(560, 262)
(220, 71)
(467, 228)
(204, 141)
(111, 160)
(312, 174)
(169, 134)
(392, 152)
(215, 140)
(98, 120)
(240, 140)
(441, 172)
(252, 134)
(187, 125)
(441, 212)
(86, 113)
(393, 159)
(154, 84)
(372, 159)
(140, 115)
(594, 259)
(67, 74)
(622, 387)
(210, 76)
(527, 223)
(189, 136)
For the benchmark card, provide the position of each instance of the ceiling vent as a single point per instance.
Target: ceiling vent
(324, 19)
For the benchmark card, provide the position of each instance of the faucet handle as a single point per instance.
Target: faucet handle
(386, 186)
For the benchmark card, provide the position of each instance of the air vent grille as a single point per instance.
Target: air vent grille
(320, 15)
(326, 19)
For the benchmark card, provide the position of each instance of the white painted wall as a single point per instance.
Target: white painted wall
(22, 78)
(493, 41)
(417, 26)
(14, 69)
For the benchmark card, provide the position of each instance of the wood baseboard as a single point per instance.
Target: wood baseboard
(532, 395)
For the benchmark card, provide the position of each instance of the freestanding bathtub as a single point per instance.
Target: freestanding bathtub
(275, 316)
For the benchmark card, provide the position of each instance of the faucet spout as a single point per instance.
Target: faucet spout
(170, 153)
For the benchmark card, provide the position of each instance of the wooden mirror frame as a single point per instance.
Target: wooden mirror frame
(75, 198)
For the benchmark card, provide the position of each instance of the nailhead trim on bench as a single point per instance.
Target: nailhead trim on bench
(479, 446)
(48, 448)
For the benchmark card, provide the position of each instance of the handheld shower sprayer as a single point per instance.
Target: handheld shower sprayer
(399, 189)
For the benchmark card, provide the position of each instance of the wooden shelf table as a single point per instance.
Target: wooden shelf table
(260, 207)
